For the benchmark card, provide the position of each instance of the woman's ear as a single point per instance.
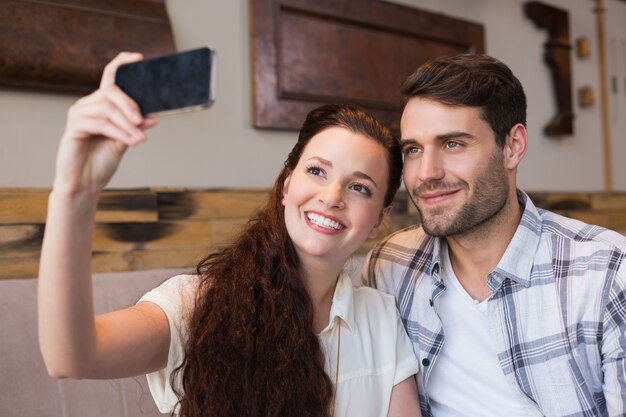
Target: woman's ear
(286, 187)
(381, 218)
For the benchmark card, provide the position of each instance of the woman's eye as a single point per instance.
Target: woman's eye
(315, 171)
(361, 189)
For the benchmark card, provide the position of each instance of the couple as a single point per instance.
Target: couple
(510, 310)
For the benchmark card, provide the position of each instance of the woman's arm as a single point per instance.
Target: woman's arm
(404, 401)
(74, 343)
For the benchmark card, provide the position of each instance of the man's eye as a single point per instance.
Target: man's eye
(409, 150)
(453, 145)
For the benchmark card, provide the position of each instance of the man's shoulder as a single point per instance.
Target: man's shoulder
(410, 248)
(411, 237)
(564, 228)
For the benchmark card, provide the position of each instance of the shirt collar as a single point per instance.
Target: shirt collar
(342, 307)
(434, 267)
(517, 261)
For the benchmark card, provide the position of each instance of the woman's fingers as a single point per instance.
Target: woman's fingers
(107, 113)
(129, 109)
(121, 110)
(124, 103)
(108, 75)
(149, 122)
(115, 95)
(99, 127)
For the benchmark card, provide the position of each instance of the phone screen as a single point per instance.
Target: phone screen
(171, 83)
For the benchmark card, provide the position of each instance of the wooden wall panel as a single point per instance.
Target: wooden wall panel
(203, 205)
(187, 225)
(63, 45)
(18, 206)
(135, 229)
(349, 61)
(309, 52)
(23, 206)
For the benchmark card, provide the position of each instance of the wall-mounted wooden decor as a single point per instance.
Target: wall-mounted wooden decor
(586, 96)
(583, 48)
(309, 52)
(63, 45)
(557, 57)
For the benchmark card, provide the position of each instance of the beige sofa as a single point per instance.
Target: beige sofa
(26, 390)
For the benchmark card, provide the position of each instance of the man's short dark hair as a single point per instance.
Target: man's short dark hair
(472, 80)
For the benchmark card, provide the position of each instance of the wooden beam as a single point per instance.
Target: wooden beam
(20, 206)
(204, 205)
(600, 11)
(187, 225)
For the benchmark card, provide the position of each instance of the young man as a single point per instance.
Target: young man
(512, 310)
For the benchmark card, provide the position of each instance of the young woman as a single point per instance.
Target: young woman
(271, 326)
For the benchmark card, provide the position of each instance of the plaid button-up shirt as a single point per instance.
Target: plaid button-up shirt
(558, 307)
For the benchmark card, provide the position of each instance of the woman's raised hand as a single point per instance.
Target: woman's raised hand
(100, 127)
(74, 343)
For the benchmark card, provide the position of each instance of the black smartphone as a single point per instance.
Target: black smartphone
(184, 81)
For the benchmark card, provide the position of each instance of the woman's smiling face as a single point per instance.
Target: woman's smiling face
(334, 197)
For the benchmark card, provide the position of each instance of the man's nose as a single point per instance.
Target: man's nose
(430, 167)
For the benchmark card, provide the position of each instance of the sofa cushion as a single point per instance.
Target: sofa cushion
(25, 387)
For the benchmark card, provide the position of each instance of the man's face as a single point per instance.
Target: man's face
(453, 169)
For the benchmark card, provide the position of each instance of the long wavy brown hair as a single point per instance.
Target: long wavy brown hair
(252, 350)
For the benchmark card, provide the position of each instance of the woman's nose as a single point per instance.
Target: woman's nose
(332, 195)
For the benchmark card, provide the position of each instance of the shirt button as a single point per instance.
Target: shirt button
(425, 361)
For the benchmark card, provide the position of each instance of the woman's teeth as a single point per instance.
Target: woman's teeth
(324, 221)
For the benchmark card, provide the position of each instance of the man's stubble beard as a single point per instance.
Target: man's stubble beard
(491, 190)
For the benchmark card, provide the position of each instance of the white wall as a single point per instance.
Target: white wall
(570, 163)
(219, 148)
(212, 148)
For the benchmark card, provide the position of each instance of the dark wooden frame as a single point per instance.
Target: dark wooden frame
(309, 52)
(556, 55)
(63, 45)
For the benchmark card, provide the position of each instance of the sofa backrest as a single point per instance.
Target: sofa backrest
(26, 390)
